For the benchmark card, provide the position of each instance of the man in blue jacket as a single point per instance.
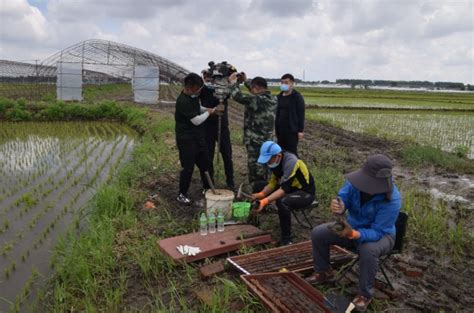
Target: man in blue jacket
(373, 203)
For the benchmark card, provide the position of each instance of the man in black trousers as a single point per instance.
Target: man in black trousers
(208, 100)
(190, 135)
(289, 120)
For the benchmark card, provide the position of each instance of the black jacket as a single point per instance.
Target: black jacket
(296, 112)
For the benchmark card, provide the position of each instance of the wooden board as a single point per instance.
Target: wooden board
(212, 269)
(212, 244)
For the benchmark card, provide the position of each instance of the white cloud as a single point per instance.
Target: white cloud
(329, 39)
(21, 22)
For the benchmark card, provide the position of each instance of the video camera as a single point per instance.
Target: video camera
(221, 70)
(219, 74)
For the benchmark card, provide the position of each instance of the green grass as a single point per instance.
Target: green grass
(17, 111)
(417, 156)
(431, 224)
(107, 91)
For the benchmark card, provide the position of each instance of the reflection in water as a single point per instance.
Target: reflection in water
(48, 172)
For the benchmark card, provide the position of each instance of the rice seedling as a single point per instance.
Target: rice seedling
(49, 176)
(447, 131)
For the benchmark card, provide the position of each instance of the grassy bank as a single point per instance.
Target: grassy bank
(20, 111)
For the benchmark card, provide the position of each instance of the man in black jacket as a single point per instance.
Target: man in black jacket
(191, 135)
(289, 121)
(208, 100)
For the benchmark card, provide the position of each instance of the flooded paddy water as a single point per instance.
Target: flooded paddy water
(48, 172)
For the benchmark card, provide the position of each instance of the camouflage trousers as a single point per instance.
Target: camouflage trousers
(256, 172)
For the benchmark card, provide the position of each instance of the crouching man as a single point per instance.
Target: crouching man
(291, 185)
(373, 204)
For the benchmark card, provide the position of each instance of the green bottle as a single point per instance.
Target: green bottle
(203, 224)
(220, 221)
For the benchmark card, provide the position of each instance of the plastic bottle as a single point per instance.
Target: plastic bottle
(220, 221)
(212, 223)
(203, 224)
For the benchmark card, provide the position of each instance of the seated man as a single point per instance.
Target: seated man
(373, 203)
(291, 185)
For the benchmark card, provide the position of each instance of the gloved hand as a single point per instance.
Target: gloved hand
(348, 231)
(258, 196)
(263, 203)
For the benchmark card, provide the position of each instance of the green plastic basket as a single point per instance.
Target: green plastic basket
(240, 210)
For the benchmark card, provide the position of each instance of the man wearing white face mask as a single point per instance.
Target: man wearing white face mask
(190, 135)
(291, 185)
(289, 120)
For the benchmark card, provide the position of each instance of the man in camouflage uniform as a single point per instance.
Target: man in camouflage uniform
(259, 119)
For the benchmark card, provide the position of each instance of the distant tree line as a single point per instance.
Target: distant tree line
(406, 84)
(389, 83)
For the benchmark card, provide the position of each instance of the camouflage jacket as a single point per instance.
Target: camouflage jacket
(259, 116)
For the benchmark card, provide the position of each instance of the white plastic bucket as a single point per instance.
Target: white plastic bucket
(221, 200)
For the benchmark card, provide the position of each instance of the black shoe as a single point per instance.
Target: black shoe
(183, 199)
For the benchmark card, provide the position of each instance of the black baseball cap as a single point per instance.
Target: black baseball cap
(374, 177)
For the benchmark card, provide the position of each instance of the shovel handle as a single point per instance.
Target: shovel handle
(209, 181)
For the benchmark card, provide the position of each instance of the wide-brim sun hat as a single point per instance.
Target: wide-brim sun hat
(374, 177)
(268, 149)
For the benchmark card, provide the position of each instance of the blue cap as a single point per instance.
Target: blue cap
(268, 149)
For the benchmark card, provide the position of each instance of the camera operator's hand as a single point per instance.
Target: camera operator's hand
(241, 77)
(233, 78)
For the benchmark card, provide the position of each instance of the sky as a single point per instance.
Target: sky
(325, 39)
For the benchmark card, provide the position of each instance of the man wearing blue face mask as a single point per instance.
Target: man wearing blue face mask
(190, 135)
(291, 185)
(289, 120)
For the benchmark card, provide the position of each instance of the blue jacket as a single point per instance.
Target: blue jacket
(376, 217)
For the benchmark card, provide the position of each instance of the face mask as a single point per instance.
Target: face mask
(209, 85)
(274, 164)
(284, 87)
(194, 96)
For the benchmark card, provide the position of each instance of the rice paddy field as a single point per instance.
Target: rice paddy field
(388, 99)
(48, 172)
(449, 131)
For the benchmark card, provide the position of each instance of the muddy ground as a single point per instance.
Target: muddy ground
(423, 281)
